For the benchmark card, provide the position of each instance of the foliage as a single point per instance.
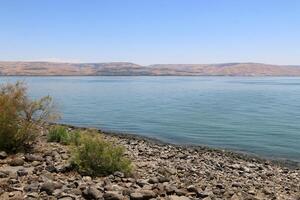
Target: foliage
(95, 156)
(61, 135)
(21, 117)
(58, 134)
(74, 138)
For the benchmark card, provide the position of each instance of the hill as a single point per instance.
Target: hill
(131, 69)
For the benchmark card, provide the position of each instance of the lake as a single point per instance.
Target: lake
(255, 115)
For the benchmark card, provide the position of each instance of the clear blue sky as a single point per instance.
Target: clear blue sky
(151, 31)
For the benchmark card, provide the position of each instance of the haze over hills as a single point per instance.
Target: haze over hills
(131, 69)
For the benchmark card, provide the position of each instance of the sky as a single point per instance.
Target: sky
(151, 31)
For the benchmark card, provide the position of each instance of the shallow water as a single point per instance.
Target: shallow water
(254, 115)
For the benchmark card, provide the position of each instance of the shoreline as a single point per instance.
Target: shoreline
(227, 152)
(161, 171)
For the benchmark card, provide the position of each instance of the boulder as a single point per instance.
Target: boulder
(3, 155)
(16, 162)
(112, 195)
(48, 187)
(92, 193)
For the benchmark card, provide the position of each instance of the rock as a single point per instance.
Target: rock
(63, 168)
(48, 187)
(170, 189)
(174, 197)
(112, 195)
(220, 186)
(22, 172)
(33, 157)
(87, 179)
(235, 197)
(251, 192)
(153, 180)
(33, 187)
(119, 174)
(33, 195)
(16, 162)
(267, 191)
(76, 191)
(235, 166)
(245, 169)
(163, 179)
(4, 174)
(235, 184)
(66, 198)
(35, 163)
(3, 155)
(141, 182)
(51, 168)
(180, 192)
(192, 188)
(148, 194)
(92, 193)
(204, 194)
(136, 196)
(143, 195)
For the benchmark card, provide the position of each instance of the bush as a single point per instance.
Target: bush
(61, 135)
(58, 134)
(95, 156)
(74, 138)
(20, 117)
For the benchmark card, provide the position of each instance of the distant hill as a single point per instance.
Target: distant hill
(131, 69)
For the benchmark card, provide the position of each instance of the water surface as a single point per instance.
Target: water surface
(254, 115)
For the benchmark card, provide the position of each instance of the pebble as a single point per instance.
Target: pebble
(160, 172)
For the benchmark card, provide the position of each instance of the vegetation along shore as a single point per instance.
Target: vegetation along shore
(42, 161)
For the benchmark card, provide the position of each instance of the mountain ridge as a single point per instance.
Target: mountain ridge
(44, 68)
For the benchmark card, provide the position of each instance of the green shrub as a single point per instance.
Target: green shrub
(74, 138)
(95, 156)
(58, 134)
(21, 117)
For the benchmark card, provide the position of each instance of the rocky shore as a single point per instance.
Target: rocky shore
(161, 171)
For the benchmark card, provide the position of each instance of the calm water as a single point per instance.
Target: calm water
(254, 115)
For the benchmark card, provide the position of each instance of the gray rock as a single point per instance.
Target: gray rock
(92, 193)
(180, 192)
(174, 197)
(16, 162)
(33, 195)
(22, 172)
(141, 182)
(66, 198)
(192, 188)
(33, 157)
(33, 187)
(4, 174)
(48, 187)
(136, 196)
(3, 155)
(153, 180)
(170, 189)
(163, 179)
(148, 194)
(51, 168)
(112, 195)
(119, 174)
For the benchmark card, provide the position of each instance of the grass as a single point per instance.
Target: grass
(61, 135)
(58, 134)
